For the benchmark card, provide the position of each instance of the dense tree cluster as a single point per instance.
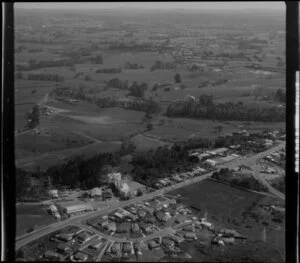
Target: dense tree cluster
(97, 60)
(148, 105)
(138, 90)
(177, 78)
(45, 77)
(77, 172)
(163, 65)
(223, 111)
(33, 117)
(211, 83)
(117, 84)
(279, 184)
(226, 175)
(109, 70)
(33, 64)
(154, 164)
(129, 65)
(280, 96)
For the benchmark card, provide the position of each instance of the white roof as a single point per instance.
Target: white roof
(211, 161)
(124, 188)
(220, 150)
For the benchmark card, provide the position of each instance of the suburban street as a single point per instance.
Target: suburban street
(77, 220)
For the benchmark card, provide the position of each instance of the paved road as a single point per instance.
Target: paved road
(252, 162)
(21, 241)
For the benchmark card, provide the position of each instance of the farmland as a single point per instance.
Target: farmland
(81, 125)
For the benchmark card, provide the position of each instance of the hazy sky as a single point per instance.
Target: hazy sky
(156, 5)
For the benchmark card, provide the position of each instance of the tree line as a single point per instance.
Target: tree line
(136, 103)
(206, 108)
(45, 77)
(226, 175)
(109, 70)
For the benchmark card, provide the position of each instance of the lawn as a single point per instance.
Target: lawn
(31, 216)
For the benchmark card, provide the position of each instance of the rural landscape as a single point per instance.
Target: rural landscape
(150, 135)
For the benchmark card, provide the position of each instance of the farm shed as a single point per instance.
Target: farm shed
(221, 151)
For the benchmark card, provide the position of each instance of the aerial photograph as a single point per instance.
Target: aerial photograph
(150, 131)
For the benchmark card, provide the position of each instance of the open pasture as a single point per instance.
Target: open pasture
(216, 199)
(184, 128)
(54, 140)
(143, 143)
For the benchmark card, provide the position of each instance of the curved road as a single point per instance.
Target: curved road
(25, 239)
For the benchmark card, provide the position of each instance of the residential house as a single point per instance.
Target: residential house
(152, 244)
(96, 192)
(135, 228)
(228, 240)
(211, 162)
(221, 151)
(81, 256)
(190, 235)
(53, 193)
(64, 237)
(51, 255)
(63, 247)
(126, 248)
(96, 244)
(111, 226)
(176, 238)
(168, 243)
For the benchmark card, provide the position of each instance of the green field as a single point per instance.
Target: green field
(29, 216)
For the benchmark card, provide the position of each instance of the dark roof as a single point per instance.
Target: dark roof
(127, 247)
(81, 256)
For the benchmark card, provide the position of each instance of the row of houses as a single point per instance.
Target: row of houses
(178, 178)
